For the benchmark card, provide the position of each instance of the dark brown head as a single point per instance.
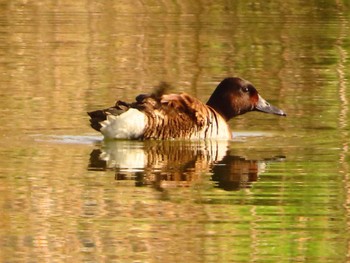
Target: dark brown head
(236, 96)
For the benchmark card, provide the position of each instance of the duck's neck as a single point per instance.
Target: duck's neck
(222, 107)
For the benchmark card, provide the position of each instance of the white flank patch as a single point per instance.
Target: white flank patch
(128, 125)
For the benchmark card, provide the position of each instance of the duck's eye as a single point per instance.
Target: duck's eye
(245, 89)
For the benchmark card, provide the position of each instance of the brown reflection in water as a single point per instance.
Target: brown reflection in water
(235, 172)
(165, 164)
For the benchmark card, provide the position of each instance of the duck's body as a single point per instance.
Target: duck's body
(167, 116)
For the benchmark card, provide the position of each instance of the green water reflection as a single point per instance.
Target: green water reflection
(278, 193)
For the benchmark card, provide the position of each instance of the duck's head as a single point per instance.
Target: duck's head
(236, 96)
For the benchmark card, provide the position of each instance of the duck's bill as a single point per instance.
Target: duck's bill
(266, 107)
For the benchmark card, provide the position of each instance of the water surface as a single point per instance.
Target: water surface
(279, 192)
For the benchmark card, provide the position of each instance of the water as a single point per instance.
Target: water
(279, 192)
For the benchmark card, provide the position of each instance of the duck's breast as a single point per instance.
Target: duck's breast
(216, 128)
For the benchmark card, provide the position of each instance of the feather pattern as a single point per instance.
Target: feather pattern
(183, 116)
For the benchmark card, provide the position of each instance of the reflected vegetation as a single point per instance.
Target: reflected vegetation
(235, 203)
(164, 164)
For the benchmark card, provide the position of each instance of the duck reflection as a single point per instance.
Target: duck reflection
(164, 164)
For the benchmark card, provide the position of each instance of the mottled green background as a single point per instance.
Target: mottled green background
(59, 59)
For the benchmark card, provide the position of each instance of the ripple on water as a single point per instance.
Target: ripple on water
(69, 139)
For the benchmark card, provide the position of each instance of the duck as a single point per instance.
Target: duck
(162, 116)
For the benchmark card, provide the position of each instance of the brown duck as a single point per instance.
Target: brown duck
(168, 116)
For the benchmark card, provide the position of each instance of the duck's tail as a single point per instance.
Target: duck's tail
(98, 116)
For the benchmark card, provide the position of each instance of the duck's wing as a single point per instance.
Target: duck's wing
(190, 107)
(174, 116)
